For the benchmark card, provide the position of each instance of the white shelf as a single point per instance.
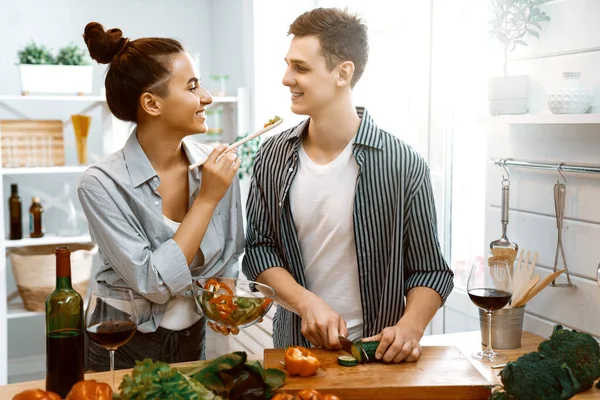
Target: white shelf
(70, 169)
(47, 240)
(224, 99)
(90, 99)
(543, 119)
(16, 311)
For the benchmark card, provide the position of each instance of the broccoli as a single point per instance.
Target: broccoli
(534, 376)
(564, 365)
(580, 351)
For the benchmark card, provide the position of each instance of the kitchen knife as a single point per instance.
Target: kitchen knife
(346, 344)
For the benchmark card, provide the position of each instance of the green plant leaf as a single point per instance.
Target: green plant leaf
(533, 33)
(71, 55)
(536, 25)
(521, 42)
(35, 54)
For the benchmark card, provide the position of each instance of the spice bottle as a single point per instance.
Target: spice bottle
(36, 218)
(15, 211)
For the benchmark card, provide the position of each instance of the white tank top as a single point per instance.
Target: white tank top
(180, 312)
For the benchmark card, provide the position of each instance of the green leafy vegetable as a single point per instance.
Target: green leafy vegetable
(231, 377)
(151, 380)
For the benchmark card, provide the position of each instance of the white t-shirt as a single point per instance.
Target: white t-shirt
(322, 201)
(180, 312)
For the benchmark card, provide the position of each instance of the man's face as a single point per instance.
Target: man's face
(312, 86)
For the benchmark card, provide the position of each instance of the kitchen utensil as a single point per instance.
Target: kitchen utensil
(442, 372)
(503, 246)
(560, 194)
(538, 288)
(244, 140)
(519, 297)
(346, 344)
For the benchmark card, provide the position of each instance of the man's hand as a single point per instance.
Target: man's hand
(320, 324)
(398, 343)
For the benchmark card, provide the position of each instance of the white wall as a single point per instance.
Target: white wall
(569, 42)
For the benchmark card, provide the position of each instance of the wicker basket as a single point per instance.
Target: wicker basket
(34, 268)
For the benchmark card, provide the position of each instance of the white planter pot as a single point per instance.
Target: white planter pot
(508, 94)
(75, 79)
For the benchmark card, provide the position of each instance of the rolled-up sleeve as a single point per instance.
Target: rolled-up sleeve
(424, 262)
(157, 275)
(262, 250)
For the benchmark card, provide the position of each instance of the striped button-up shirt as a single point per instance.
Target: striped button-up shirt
(394, 226)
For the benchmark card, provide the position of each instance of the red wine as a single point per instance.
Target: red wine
(64, 360)
(112, 334)
(64, 330)
(489, 299)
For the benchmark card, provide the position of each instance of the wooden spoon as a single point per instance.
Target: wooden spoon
(538, 288)
(530, 285)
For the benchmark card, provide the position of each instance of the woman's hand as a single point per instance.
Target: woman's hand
(218, 172)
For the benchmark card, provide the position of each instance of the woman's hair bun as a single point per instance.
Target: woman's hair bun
(103, 45)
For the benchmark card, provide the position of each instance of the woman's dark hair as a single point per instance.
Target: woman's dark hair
(135, 66)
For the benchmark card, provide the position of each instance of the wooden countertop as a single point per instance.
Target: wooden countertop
(467, 342)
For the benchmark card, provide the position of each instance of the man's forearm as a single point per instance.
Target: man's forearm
(422, 303)
(289, 294)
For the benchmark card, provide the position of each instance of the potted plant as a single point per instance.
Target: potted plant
(42, 72)
(247, 153)
(512, 22)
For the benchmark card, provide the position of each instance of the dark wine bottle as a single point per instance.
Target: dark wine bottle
(64, 330)
(15, 210)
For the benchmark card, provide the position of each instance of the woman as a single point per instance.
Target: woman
(159, 225)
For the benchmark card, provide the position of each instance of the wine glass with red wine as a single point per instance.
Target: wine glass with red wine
(111, 320)
(490, 288)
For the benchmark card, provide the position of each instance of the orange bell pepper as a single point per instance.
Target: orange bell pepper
(330, 396)
(90, 390)
(301, 361)
(284, 396)
(36, 394)
(310, 394)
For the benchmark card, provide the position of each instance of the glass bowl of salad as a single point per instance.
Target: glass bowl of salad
(234, 303)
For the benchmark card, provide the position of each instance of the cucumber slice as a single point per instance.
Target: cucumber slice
(347, 361)
(364, 352)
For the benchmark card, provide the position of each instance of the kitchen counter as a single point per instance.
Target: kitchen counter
(466, 342)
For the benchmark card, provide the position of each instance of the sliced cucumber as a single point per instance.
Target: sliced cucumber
(347, 361)
(364, 352)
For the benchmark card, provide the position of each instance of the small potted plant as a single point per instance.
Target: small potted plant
(513, 21)
(42, 72)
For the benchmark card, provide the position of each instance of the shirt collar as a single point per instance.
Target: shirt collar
(139, 167)
(367, 135)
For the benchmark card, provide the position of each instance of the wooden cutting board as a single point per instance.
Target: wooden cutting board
(442, 372)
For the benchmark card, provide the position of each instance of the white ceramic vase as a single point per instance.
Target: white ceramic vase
(571, 97)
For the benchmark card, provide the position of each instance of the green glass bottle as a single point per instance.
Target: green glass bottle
(64, 330)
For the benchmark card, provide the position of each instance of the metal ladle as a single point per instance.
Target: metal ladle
(503, 242)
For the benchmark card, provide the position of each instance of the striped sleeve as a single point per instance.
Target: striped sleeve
(423, 258)
(262, 249)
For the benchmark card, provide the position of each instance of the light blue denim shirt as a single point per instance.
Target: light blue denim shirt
(124, 211)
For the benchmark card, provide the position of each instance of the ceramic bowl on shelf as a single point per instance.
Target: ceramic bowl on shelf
(234, 303)
(571, 97)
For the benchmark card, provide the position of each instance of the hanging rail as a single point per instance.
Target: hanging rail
(509, 162)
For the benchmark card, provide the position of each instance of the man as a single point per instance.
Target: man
(341, 216)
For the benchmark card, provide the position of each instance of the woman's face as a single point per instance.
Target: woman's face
(183, 108)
